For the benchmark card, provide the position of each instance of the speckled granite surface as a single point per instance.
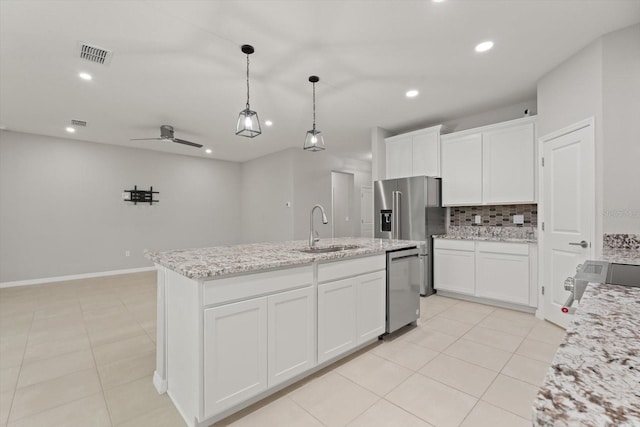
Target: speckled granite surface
(621, 241)
(621, 248)
(222, 260)
(494, 234)
(621, 255)
(594, 380)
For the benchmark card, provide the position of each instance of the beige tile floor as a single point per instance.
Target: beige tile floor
(82, 353)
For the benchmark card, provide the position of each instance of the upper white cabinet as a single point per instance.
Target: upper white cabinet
(508, 158)
(490, 165)
(414, 154)
(462, 170)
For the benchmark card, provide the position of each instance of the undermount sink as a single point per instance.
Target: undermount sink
(332, 248)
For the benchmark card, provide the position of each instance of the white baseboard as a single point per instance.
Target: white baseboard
(73, 277)
(159, 383)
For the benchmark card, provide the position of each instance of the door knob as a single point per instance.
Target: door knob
(583, 244)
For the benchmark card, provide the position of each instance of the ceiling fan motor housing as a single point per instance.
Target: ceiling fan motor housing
(166, 132)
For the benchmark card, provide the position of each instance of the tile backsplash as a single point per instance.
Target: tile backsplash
(494, 215)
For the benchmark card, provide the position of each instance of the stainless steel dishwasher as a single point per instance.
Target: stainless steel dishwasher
(403, 288)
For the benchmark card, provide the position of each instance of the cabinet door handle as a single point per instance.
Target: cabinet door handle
(583, 244)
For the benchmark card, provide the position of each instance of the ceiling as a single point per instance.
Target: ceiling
(179, 63)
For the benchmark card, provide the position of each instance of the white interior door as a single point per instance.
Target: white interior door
(366, 211)
(568, 212)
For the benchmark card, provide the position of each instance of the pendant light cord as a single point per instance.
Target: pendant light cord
(314, 106)
(247, 81)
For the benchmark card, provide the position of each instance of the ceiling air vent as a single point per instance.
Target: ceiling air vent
(79, 123)
(95, 54)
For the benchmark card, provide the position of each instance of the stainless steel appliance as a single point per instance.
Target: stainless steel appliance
(410, 209)
(403, 288)
(599, 272)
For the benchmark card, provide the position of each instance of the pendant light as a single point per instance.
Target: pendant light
(248, 124)
(314, 140)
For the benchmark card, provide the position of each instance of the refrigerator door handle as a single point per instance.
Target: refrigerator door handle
(395, 234)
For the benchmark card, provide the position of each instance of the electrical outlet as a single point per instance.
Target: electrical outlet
(127, 253)
(518, 219)
(477, 219)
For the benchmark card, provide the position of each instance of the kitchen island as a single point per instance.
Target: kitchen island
(594, 379)
(237, 323)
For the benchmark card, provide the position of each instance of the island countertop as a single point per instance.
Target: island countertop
(594, 379)
(199, 263)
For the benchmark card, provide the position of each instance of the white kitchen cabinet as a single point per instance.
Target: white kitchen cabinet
(426, 153)
(291, 334)
(414, 154)
(371, 305)
(490, 165)
(462, 170)
(503, 271)
(454, 266)
(508, 159)
(235, 353)
(497, 271)
(336, 318)
(399, 151)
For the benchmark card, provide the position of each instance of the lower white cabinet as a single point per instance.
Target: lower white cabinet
(503, 272)
(492, 270)
(454, 266)
(371, 297)
(336, 318)
(291, 334)
(235, 353)
(351, 311)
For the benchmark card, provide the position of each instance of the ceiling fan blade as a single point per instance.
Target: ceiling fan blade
(146, 139)
(182, 141)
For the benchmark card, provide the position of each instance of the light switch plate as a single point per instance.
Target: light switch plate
(518, 219)
(477, 219)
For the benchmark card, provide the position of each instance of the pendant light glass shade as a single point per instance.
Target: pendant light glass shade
(248, 124)
(314, 140)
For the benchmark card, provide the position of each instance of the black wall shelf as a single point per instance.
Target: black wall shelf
(141, 196)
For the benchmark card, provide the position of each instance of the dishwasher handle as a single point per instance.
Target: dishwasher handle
(410, 253)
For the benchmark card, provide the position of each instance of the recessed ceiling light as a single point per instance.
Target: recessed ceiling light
(437, 1)
(268, 122)
(208, 151)
(412, 93)
(70, 129)
(85, 76)
(484, 46)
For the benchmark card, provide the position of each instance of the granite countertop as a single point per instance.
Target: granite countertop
(594, 379)
(621, 255)
(487, 238)
(200, 263)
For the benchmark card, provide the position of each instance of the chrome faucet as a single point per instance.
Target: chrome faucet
(314, 239)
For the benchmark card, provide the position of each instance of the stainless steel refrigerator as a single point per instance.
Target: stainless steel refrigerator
(411, 209)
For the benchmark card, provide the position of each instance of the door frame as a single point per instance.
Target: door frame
(589, 122)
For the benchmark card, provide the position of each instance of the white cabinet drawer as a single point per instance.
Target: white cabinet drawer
(458, 245)
(504, 248)
(351, 267)
(219, 291)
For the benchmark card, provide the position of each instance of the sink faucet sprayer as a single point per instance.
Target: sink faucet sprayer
(312, 239)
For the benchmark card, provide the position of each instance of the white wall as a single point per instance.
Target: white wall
(312, 185)
(621, 116)
(61, 210)
(603, 81)
(495, 115)
(267, 185)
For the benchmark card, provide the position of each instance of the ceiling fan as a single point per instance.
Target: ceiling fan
(166, 134)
